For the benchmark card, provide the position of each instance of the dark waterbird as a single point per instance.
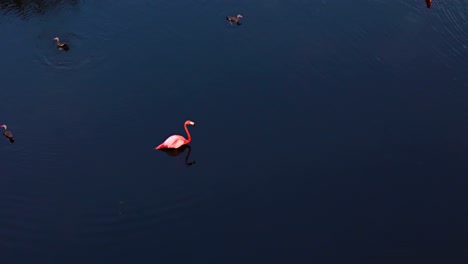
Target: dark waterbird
(235, 19)
(8, 134)
(61, 45)
(178, 151)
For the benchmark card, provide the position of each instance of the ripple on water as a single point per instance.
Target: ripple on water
(28, 9)
(82, 26)
(452, 26)
(23, 220)
(411, 22)
(77, 57)
(113, 223)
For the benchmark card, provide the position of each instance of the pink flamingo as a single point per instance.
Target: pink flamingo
(176, 141)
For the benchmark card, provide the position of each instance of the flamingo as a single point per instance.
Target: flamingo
(61, 45)
(176, 141)
(428, 3)
(8, 134)
(234, 19)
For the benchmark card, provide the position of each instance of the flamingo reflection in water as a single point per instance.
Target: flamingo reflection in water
(176, 152)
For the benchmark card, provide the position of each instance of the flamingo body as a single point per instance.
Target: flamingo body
(176, 141)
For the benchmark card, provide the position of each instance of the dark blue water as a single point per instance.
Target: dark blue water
(323, 128)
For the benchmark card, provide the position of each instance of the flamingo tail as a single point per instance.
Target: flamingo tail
(160, 146)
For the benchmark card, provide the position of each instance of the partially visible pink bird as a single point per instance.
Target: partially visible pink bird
(176, 141)
(428, 3)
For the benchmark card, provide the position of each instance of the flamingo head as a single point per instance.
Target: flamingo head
(56, 38)
(239, 16)
(189, 122)
(4, 126)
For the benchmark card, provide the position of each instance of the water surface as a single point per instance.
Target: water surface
(322, 128)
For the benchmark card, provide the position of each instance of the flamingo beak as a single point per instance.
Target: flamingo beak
(192, 123)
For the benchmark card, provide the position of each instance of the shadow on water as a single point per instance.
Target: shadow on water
(26, 8)
(177, 152)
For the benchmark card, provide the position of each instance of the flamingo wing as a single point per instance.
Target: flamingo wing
(174, 141)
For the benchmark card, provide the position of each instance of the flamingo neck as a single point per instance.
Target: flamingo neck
(189, 137)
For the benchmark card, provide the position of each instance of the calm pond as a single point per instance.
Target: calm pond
(323, 128)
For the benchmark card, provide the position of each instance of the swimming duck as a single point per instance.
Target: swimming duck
(235, 19)
(8, 134)
(61, 45)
